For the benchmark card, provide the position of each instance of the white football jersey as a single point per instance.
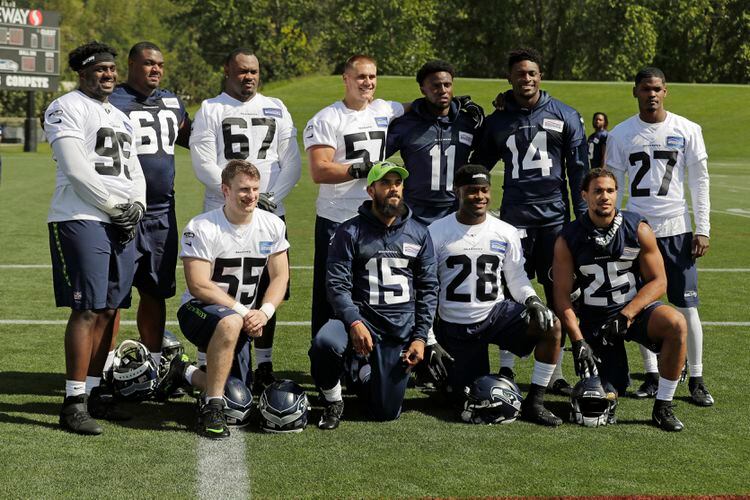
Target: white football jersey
(107, 136)
(355, 135)
(470, 262)
(237, 253)
(657, 158)
(249, 131)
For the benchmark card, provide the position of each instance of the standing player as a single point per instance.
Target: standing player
(241, 123)
(383, 289)
(598, 140)
(435, 138)
(540, 141)
(99, 199)
(474, 252)
(224, 253)
(342, 142)
(160, 122)
(619, 267)
(658, 149)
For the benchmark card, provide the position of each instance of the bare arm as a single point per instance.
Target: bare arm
(199, 284)
(563, 272)
(323, 169)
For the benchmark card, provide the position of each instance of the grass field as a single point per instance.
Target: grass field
(426, 452)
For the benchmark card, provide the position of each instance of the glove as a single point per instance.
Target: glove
(474, 110)
(131, 215)
(438, 363)
(126, 235)
(541, 313)
(360, 170)
(265, 202)
(584, 359)
(614, 329)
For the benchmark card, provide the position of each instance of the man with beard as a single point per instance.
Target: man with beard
(541, 142)
(382, 286)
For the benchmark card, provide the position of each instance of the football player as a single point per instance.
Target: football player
(342, 142)
(382, 285)
(99, 199)
(657, 150)
(241, 123)
(160, 122)
(541, 141)
(224, 252)
(474, 253)
(616, 260)
(598, 140)
(434, 139)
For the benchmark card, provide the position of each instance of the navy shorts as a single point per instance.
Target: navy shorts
(198, 322)
(613, 368)
(505, 326)
(156, 255)
(538, 250)
(321, 309)
(682, 273)
(90, 269)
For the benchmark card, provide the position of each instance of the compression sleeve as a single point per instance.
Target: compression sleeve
(290, 164)
(699, 194)
(203, 156)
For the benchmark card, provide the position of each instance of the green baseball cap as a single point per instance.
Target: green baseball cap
(380, 168)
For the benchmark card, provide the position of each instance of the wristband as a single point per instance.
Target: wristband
(268, 309)
(240, 309)
(355, 323)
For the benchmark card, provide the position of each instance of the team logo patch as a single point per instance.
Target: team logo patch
(309, 132)
(498, 246)
(77, 296)
(676, 142)
(275, 112)
(55, 117)
(411, 249)
(690, 294)
(171, 102)
(381, 121)
(465, 138)
(596, 140)
(630, 253)
(555, 125)
(264, 247)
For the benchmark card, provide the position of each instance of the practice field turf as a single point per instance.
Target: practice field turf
(427, 452)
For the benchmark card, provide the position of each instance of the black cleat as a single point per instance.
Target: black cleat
(331, 417)
(263, 377)
(173, 379)
(74, 416)
(699, 392)
(211, 420)
(560, 387)
(102, 404)
(664, 418)
(648, 388)
(538, 414)
(507, 372)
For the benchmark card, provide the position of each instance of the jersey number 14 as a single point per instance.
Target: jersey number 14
(536, 156)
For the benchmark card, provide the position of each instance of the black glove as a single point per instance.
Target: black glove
(614, 329)
(473, 109)
(584, 359)
(541, 313)
(126, 235)
(360, 169)
(265, 202)
(438, 363)
(131, 215)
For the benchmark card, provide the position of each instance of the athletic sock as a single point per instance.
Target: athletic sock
(189, 373)
(507, 359)
(542, 373)
(666, 389)
(92, 382)
(262, 356)
(650, 361)
(74, 388)
(108, 362)
(694, 340)
(332, 394)
(207, 399)
(201, 359)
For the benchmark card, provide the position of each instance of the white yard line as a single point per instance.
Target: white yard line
(222, 468)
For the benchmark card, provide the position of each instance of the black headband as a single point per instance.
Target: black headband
(94, 59)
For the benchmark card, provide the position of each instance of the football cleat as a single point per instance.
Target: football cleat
(331, 417)
(648, 388)
(74, 417)
(263, 377)
(491, 399)
(102, 405)
(699, 392)
(560, 387)
(664, 418)
(211, 420)
(172, 379)
(538, 414)
(507, 372)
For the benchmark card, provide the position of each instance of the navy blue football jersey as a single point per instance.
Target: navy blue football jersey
(432, 148)
(157, 119)
(609, 275)
(597, 142)
(539, 148)
(383, 275)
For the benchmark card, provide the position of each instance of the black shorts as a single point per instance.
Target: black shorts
(538, 250)
(156, 255)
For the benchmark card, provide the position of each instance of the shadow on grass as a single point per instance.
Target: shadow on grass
(41, 384)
